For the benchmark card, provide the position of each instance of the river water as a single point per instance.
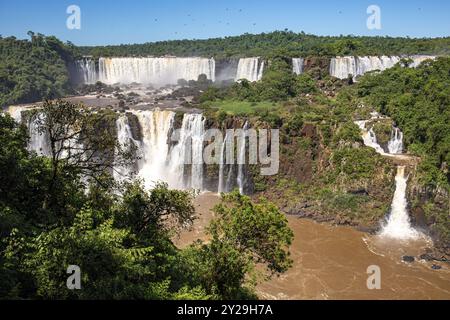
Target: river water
(330, 262)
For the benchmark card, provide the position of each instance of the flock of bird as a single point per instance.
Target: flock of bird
(228, 23)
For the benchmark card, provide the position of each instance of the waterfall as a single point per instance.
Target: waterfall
(241, 159)
(189, 150)
(297, 65)
(418, 59)
(39, 140)
(157, 71)
(395, 145)
(250, 69)
(160, 161)
(369, 137)
(86, 70)
(124, 139)
(156, 126)
(342, 67)
(222, 186)
(398, 225)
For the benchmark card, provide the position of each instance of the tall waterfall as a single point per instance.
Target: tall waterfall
(188, 150)
(342, 67)
(156, 126)
(297, 65)
(86, 70)
(241, 159)
(398, 225)
(39, 139)
(125, 140)
(395, 145)
(222, 187)
(158, 71)
(250, 68)
(166, 160)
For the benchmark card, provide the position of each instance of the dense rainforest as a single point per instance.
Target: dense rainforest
(290, 43)
(35, 69)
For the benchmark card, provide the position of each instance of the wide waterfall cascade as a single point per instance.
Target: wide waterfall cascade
(297, 65)
(250, 68)
(342, 67)
(395, 145)
(241, 159)
(86, 70)
(125, 140)
(157, 71)
(398, 225)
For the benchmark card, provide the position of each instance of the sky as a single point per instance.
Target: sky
(138, 21)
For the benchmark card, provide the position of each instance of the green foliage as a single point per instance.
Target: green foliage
(418, 101)
(271, 44)
(34, 70)
(305, 84)
(243, 235)
(122, 241)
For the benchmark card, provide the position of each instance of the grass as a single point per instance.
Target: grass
(233, 107)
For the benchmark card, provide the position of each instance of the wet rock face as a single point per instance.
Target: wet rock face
(319, 67)
(135, 127)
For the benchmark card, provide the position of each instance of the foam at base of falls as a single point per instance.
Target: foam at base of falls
(398, 225)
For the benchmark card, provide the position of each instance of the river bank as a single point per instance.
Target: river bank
(330, 262)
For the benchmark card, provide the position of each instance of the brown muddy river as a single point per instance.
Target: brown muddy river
(330, 262)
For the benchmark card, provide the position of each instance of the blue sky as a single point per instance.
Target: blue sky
(137, 21)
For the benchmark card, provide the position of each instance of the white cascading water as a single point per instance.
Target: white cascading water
(241, 159)
(188, 150)
(342, 67)
(369, 137)
(159, 161)
(398, 225)
(157, 71)
(156, 126)
(125, 139)
(250, 68)
(86, 70)
(39, 141)
(418, 59)
(395, 145)
(222, 187)
(297, 65)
